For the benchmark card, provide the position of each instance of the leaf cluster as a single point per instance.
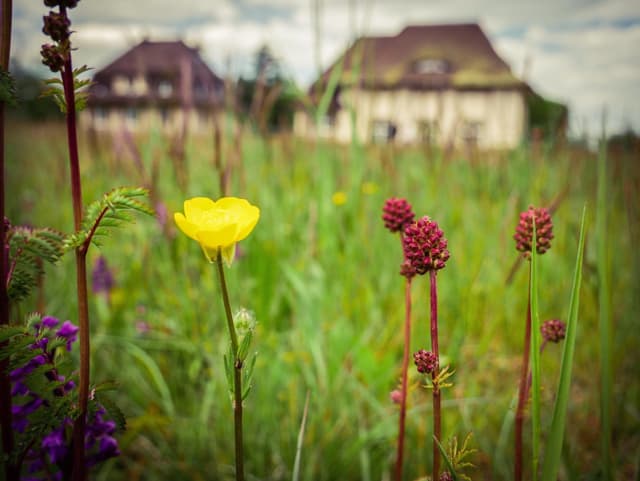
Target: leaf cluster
(80, 88)
(7, 88)
(113, 210)
(28, 248)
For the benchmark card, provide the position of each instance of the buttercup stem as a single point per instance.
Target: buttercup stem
(522, 392)
(237, 372)
(405, 367)
(437, 428)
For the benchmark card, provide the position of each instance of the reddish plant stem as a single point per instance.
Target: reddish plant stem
(405, 368)
(79, 472)
(11, 471)
(437, 420)
(522, 393)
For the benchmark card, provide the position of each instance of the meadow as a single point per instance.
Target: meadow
(321, 274)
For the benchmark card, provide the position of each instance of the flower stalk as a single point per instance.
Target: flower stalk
(237, 373)
(403, 389)
(10, 469)
(437, 417)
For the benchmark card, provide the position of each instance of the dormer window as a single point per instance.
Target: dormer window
(431, 66)
(165, 89)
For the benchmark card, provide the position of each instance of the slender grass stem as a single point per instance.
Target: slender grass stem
(604, 328)
(437, 421)
(405, 368)
(522, 392)
(237, 373)
(10, 469)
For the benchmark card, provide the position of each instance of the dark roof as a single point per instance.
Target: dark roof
(460, 56)
(157, 62)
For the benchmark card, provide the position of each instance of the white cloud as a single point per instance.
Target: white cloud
(582, 53)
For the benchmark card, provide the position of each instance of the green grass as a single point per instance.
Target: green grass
(323, 282)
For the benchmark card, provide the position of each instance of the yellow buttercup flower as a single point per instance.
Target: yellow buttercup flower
(217, 225)
(339, 198)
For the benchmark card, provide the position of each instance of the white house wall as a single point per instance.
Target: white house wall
(498, 117)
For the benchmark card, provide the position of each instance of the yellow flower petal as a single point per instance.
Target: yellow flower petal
(222, 237)
(250, 218)
(196, 207)
(185, 226)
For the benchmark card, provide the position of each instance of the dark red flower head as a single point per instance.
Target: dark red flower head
(425, 361)
(553, 330)
(396, 214)
(425, 246)
(524, 231)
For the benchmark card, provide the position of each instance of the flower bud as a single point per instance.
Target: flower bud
(553, 330)
(524, 231)
(56, 26)
(425, 246)
(244, 321)
(425, 361)
(397, 214)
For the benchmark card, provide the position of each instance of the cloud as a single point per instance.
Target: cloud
(579, 52)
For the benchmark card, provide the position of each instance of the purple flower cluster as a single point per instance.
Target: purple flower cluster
(51, 457)
(553, 330)
(425, 247)
(426, 361)
(397, 214)
(102, 277)
(524, 231)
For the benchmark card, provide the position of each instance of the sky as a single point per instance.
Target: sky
(584, 53)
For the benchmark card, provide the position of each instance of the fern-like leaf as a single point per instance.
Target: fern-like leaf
(56, 90)
(114, 209)
(28, 249)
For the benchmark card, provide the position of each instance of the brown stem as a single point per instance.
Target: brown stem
(79, 472)
(437, 420)
(405, 368)
(11, 472)
(522, 393)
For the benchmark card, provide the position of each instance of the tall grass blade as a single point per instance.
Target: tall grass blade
(606, 382)
(447, 461)
(535, 357)
(553, 450)
(156, 376)
(303, 424)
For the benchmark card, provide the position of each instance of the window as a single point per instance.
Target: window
(428, 131)
(131, 117)
(471, 132)
(431, 66)
(383, 131)
(165, 89)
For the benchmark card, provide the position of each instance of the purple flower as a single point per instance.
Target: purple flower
(50, 322)
(101, 276)
(54, 444)
(69, 332)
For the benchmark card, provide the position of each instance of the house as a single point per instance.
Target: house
(441, 84)
(155, 84)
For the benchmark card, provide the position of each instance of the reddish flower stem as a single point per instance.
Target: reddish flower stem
(11, 472)
(79, 472)
(522, 393)
(405, 368)
(437, 420)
